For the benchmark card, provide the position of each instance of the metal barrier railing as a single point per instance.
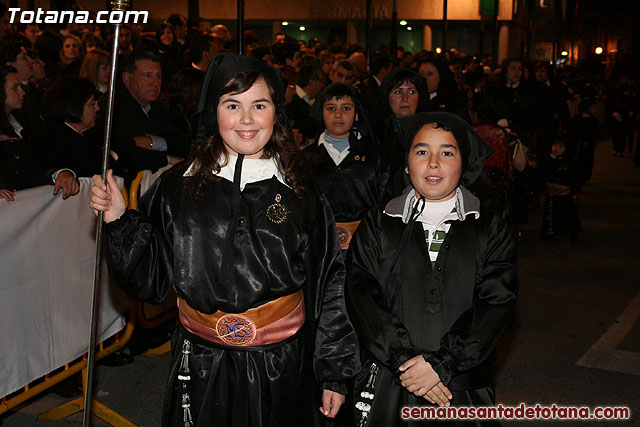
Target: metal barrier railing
(79, 365)
(76, 405)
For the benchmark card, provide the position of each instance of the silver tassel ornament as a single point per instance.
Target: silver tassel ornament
(364, 405)
(184, 376)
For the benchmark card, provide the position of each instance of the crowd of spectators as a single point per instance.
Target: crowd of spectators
(54, 82)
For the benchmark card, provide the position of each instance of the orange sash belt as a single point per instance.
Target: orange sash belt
(270, 323)
(345, 232)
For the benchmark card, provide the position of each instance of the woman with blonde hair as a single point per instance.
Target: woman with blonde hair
(70, 54)
(70, 50)
(95, 67)
(326, 60)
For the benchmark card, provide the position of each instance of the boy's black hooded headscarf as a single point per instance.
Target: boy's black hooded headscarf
(473, 148)
(223, 68)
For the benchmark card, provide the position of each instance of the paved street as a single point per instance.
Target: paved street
(575, 340)
(572, 294)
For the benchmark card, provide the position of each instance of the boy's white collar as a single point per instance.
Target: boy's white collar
(465, 203)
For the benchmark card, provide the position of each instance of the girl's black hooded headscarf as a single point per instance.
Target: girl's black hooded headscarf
(473, 148)
(222, 69)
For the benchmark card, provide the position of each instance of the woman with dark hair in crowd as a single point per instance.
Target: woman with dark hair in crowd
(20, 168)
(443, 91)
(252, 251)
(96, 68)
(403, 93)
(166, 39)
(64, 139)
(182, 99)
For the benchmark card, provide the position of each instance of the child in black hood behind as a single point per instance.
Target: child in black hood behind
(562, 180)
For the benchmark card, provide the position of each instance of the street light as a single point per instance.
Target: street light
(438, 50)
(409, 28)
(302, 28)
(598, 50)
(564, 53)
(285, 23)
(403, 22)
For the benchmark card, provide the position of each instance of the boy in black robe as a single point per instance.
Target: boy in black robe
(432, 281)
(345, 162)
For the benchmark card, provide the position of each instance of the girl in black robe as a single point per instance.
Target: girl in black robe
(236, 230)
(414, 309)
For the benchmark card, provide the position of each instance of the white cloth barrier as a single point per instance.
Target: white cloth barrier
(46, 282)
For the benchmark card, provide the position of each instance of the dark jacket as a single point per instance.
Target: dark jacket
(451, 101)
(20, 167)
(513, 104)
(129, 121)
(299, 112)
(60, 147)
(355, 185)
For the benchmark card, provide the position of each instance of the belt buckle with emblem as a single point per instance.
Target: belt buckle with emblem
(236, 329)
(344, 237)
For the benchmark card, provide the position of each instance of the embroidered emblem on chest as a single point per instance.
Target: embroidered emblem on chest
(277, 212)
(236, 329)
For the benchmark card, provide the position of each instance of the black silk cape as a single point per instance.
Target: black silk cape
(225, 253)
(453, 314)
